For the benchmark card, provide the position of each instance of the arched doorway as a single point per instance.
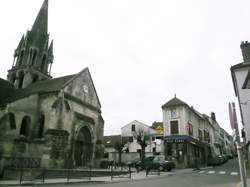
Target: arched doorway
(83, 147)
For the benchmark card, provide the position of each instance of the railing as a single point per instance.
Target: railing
(154, 169)
(123, 171)
(43, 174)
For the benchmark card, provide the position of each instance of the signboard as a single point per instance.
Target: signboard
(231, 117)
(159, 129)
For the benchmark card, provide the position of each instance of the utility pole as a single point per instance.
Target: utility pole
(239, 147)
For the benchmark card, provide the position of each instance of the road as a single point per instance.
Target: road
(226, 175)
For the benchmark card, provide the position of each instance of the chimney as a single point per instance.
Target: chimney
(213, 116)
(245, 49)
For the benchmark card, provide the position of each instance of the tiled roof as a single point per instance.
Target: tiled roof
(45, 86)
(174, 102)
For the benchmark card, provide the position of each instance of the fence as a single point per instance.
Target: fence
(27, 175)
(122, 171)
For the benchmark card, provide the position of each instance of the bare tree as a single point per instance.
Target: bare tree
(119, 147)
(142, 138)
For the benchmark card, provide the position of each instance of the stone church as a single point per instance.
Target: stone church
(44, 121)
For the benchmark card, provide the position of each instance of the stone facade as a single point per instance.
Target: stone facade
(46, 122)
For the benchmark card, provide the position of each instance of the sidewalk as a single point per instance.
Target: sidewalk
(134, 176)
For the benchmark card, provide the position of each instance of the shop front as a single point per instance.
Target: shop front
(185, 151)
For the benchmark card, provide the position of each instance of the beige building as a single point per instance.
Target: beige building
(188, 134)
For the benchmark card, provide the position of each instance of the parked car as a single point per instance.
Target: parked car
(165, 163)
(133, 162)
(141, 165)
(156, 162)
(214, 160)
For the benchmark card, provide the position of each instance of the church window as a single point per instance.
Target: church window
(33, 57)
(21, 77)
(25, 126)
(20, 59)
(12, 121)
(35, 78)
(13, 79)
(41, 126)
(43, 62)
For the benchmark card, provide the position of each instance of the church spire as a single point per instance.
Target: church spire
(33, 58)
(40, 25)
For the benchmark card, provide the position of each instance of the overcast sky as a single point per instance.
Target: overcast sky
(140, 52)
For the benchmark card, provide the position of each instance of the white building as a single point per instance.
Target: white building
(239, 74)
(153, 138)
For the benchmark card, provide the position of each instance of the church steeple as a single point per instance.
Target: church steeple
(41, 23)
(33, 58)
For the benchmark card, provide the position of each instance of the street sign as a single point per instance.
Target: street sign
(231, 117)
(159, 129)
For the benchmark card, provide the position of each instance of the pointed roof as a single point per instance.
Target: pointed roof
(50, 51)
(174, 102)
(41, 23)
(20, 44)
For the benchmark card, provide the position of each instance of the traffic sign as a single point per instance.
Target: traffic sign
(231, 117)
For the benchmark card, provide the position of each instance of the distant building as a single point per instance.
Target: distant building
(44, 121)
(154, 138)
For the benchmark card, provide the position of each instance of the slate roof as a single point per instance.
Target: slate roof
(44, 86)
(174, 102)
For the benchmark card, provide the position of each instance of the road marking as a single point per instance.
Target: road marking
(222, 172)
(210, 172)
(202, 172)
(234, 173)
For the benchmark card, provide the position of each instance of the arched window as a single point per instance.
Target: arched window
(35, 78)
(41, 126)
(25, 126)
(20, 59)
(21, 77)
(33, 57)
(13, 78)
(12, 120)
(43, 62)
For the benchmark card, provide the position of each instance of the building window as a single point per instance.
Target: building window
(12, 121)
(206, 136)
(173, 113)
(133, 128)
(41, 126)
(21, 77)
(200, 134)
(174, 127)
(191, 130)
(130, 139)
(24, 130)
